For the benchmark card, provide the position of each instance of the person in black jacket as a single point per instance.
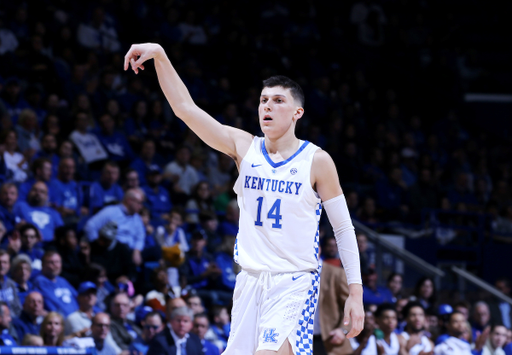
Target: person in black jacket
(176, 337)
(114, 256)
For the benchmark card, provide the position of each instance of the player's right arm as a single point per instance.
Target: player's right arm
(229, 140)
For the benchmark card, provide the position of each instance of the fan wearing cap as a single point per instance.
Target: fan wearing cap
(78, 323)
(158, 200)
(443, 312)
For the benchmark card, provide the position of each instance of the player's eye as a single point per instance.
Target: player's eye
(263, 100)
(279, 100)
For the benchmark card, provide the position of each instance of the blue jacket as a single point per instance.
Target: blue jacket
(58, 295)
(163, 344)
(157, 202)
(24, 325)
(99, 196)
(381, 295)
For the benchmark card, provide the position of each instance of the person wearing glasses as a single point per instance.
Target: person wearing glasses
(152, 324)
(100, 328)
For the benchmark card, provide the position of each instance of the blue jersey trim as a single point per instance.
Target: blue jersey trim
(281, 163)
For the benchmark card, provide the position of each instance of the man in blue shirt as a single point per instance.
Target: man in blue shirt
(48, 151)
(29, 321)
(69, 196)
(8, 199)
(130, 228)
(106, 190)
(373, 294)
(59, 295)
(115, 142)
(42, 171)
(201, 326)
(37, 212)
(157, 197)
(146, 161)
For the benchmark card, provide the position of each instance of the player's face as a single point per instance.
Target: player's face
(278, 111)
(387, 321)
(416, 319)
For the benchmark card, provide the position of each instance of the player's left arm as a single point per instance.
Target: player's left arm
(325, 181)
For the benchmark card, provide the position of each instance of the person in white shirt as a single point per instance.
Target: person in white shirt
(413, 340)
(87, 143)
(386, 319)
(497, 340)
(455, 344)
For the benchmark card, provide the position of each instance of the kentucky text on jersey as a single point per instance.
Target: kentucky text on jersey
(259, 183)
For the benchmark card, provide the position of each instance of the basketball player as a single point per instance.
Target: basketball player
(280, 189)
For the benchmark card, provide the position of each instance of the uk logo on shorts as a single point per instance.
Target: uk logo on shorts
(269, 335)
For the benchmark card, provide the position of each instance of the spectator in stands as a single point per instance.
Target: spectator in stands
(16, 163)
(209, 227)
(21, 271)
(373, 294)
(362, 244)
(158, 200)
(330, 251)
(368, 211)
(481, 318)
(52, 329)
(501, 312)
(69, 197)
(462, 307)
(200, 327)
(425, 292)
(114, 256)
(224, 260)
(100, 329)
(201, 201)
(41, 171)
(386, 319)
(131, 180)
(423, 194)
(392, 194)
(394, 284)
(59, 295)
(37, 212)
(220, 176)
(9, 293)
(98, 34)
(30, 241)
(496, 342)
(49, 151)
(87, 143)
(79, 322)
(106, 191)
(130, 229)
(230, 224)
(461, 192)
(221, 324)
(8, 199)
(97, 274)
(195, 303)
(124, 331)
(413, 338)
(456, 327)
(27, 133)
(181, 173)
(72, 258)
(146, 162)
(6, 339)
(177, 335)
(115, 142)
(29, 321)
(152, 324)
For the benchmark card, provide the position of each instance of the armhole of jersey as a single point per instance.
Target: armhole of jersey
(312, 190)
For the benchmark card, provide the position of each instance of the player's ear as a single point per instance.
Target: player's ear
(298, 113)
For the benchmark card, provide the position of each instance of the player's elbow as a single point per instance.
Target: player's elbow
(184, 110)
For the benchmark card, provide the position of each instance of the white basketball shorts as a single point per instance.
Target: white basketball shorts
(269, 308)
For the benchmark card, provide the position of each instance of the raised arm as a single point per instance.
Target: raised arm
(229, 140)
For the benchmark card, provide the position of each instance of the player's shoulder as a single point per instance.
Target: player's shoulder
(322, 159)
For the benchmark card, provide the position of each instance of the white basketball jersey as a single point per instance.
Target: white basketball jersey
(390, 349)
(279, 211)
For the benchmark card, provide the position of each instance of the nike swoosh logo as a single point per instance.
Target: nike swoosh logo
(255, 166)
(298, 277)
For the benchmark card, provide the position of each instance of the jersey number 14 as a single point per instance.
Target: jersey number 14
(274, 213)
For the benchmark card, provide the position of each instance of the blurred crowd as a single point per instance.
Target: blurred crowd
(110, 205)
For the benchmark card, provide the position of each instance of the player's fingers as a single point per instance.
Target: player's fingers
(346, 319)
(134, 67)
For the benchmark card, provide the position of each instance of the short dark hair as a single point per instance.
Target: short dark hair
(411, 305)
(39, 163)
(287, 83)
(450, 316)
(383, 307)
(153, 314)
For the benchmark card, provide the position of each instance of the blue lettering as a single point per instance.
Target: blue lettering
(274, 184)
(254, 179)
(268, 183)
(247, 178)
(289, 187)
(281, 188)
(297, 186)
(260, 183)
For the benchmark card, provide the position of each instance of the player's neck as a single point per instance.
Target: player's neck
(284, 146)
